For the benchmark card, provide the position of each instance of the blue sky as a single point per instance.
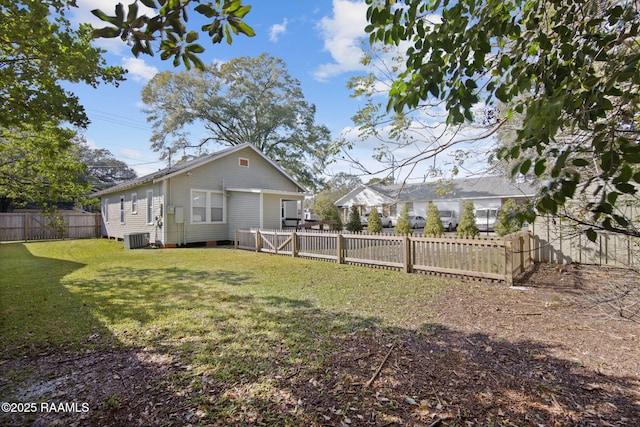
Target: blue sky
(319, 40)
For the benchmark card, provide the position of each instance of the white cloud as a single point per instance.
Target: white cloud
(138, 69)
(342, 36)
(277, 30)
(133, 154)
(82, 14)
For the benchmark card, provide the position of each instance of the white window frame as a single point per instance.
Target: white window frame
(244, 159)
(208, 206)
(123, 209)
(134, 203)
(150, 207)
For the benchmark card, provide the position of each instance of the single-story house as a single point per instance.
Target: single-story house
(484, 192)
(204, 200)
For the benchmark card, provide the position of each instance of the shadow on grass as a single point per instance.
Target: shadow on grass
(54, 351)
(196, 353)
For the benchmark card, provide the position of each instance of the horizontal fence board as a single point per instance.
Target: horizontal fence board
(484, 258)
(27, 226)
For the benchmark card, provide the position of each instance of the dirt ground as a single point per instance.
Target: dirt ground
(552, 351)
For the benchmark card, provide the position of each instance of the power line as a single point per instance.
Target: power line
(118, 120)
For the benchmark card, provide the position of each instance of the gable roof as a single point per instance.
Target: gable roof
(180, 168)
(463, 188)
(364, 195)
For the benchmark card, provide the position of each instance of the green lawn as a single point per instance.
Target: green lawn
(236, 314)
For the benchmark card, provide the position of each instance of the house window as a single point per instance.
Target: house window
(149, 206)
(409, 206)
(207, 207)
(134, 203)
(122, 210)
(105, 210)
(243, 162)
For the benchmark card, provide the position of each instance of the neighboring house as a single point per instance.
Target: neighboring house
(485, 192)
(204, 200)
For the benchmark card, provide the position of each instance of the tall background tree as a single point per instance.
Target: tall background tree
(569, 67)
(247, 99)
(102, 170)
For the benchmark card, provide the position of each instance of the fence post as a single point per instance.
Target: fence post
(27, 220)
(339, 245)
(294, 244)
(258, 241)
(408, 265)
(508, 262)
(521, 249)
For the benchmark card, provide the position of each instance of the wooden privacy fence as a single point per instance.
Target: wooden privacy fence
(499, 259)
(35, 226)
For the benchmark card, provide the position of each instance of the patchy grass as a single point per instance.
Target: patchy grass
(67, 291)
(228, 316)
(223, 337)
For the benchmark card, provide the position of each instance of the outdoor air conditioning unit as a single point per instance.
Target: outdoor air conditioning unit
(136, 240)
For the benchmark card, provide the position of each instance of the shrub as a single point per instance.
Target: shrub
(325, 210)
(404, 225)
(355, 223)
(467, 226)
(509, 221)
(374, 225)
(434, 227)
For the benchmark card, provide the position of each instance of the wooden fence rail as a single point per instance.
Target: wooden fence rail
(498, 259)
(35, 226)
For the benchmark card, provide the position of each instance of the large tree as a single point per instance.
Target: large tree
(102, 169)
(40, 166)
(39, 50)
(569, 67)
(244, 100)
(168, 25)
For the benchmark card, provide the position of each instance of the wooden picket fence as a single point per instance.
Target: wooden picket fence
(496, 259)
(35, 226)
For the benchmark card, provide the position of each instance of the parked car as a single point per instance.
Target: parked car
(417, 221)
(449, 220)
(486, 218)
(385, 220)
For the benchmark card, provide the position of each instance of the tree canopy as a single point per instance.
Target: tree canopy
(168, 23)
(102, 169)
(39, 166)
(38, 50)
(569, 67)
(244, 100)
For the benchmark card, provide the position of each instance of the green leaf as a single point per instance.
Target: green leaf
(191, 36)
(525, 166)
(106, 32)
(206, 10)
(245, 29)
(591, 234)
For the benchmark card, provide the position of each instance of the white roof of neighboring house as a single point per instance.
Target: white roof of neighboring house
(462, 188)
(180, 168)
(363, 195)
